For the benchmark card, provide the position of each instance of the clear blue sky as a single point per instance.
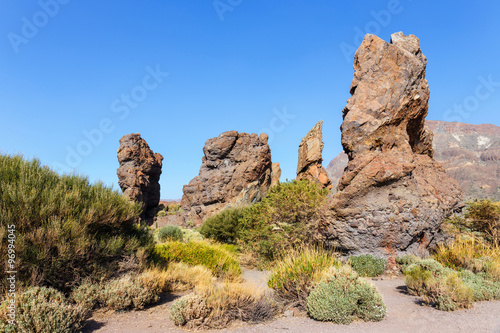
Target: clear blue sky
(73, 66)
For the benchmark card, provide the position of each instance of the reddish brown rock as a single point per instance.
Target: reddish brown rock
(275, 174)
(310, 158)
(393, 196)
(139, 171)
(469, 153)
(236, 170)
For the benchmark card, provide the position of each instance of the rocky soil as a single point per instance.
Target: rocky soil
(405, 314)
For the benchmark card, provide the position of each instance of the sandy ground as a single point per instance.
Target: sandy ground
(405, 313)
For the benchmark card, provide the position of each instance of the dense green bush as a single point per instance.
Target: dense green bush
(224, 227)
(65, 229)
(481, 219)
(343, 298)
(367, 265)
(282, 220)
(169, 233)
(215, 257)
(482, 288)
(295, 274)
(41, 310)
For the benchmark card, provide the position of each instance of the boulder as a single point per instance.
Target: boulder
(236, 170)
(139, 171)
(275, 174)
(310, 158)
(393, 196)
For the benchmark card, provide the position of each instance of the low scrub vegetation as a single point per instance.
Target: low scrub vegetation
(215, 306)
(367, 265)
(215, 257)
(169, 233)
(297, 272)
(280, 222)
(65, 229)
(41, 309)
(344, 297)
(481, 220)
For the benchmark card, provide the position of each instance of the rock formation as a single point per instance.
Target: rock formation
(393, 196)
(139, 171)
(310, 158)
(236, 170)
(470, 154)
(275, 174)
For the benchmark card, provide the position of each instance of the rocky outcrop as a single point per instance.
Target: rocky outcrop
(310, 158)
(139, 171)
(469, 153)
(236, 170)
(393, 196)
(275, 174)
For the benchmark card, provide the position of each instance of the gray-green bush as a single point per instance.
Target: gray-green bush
(343, 298)
(170, 233)
(368, 265)
(41, 310)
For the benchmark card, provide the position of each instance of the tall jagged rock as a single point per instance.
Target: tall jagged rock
(236, 170)
(275, 174)
(139, 171)
(470, 154)
(310, 157)
(393, 196)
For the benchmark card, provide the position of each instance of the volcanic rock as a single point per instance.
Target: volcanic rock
(275, 174)
(139, 171)
(236, 170)
(470, 154)
(310, 158)
(393, 196)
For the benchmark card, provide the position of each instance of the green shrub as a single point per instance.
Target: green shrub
(482, 288)
(125, 293)
(282, 220)
(295, 274)
(367, 265)
(216, 258)
(161, 213)
(189, 308)
(343, 298)
(169, 233)
(65, 228)
(225, 226)
(438, 285)
(41, 310)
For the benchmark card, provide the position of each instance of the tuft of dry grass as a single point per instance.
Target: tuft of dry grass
(221, 304)
(177, 277)
(471, 253)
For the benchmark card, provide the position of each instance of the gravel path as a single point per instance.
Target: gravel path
(405, 314)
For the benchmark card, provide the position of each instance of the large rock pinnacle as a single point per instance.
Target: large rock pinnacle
(310, 158)
(139, 171)
(236, 170)
(393, 196)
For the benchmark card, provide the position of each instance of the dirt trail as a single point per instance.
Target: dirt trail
(405, 314)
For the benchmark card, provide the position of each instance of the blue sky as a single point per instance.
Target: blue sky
(76, 76)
